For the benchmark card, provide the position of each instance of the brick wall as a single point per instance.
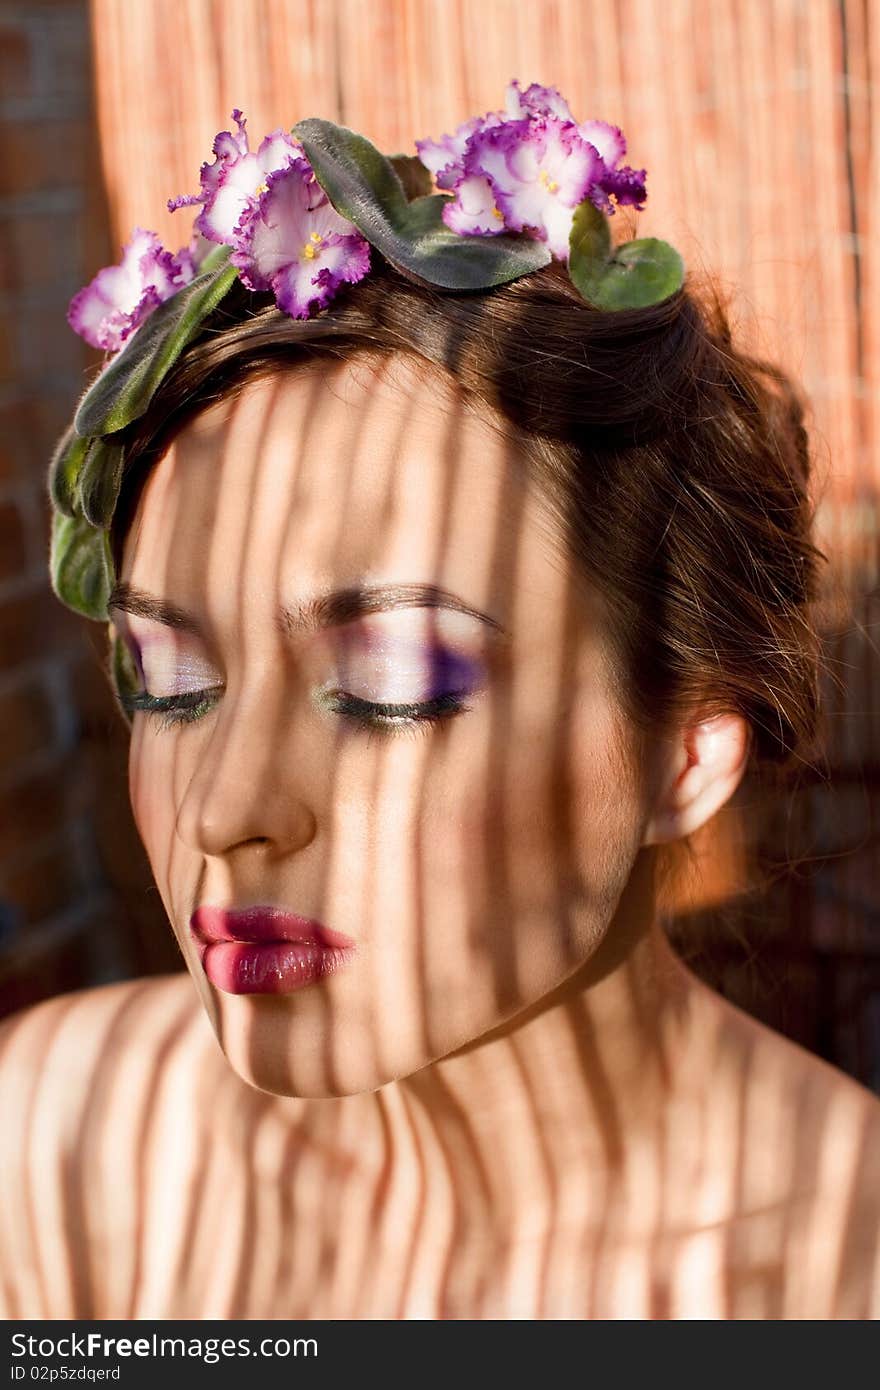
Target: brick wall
(75, 901)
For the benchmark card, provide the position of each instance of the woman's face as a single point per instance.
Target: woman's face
(476, 859)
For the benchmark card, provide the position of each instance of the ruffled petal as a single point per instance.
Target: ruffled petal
(609, 140)
(489, 152)
(276, 225)
(535, 101)
(535, 165)
(556, 225)
(237, 184)
(108, 310)
(570, 163)
(234, 177)
(228, 149)
(277, 149)
(443, 158)
(185, 200)
(292, 240)
(473, 211)
(627, 185)
(313, 281)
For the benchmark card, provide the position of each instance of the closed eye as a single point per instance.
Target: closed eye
(368, 715)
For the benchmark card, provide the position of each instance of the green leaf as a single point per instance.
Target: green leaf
(81, 566)
(589, 239)
(125, 387)
(123, 674)
(417, 181)
(643, 272)
(635, 275)
(589, 248)
(100, 480)
(64, 470)
(364, 187)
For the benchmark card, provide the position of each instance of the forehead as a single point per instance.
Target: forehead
(370, 465)
(338, 473)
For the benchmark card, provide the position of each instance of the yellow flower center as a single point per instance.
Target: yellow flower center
(312, 245)
(550, 184)
(499, 215)
(263, 188)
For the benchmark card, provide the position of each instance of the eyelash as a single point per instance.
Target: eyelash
(369, 717)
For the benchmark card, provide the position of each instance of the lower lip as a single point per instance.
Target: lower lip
(278, 967)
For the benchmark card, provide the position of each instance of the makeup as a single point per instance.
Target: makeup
(266, 950)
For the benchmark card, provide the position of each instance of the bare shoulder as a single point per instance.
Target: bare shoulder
(82, 1076)
(809, 1160)
(72, 1047)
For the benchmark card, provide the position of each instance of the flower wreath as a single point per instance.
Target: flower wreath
(298, 217)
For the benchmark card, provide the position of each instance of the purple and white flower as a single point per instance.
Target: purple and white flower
(473, 211)
(291, 239)
(234, 177)
(528, 167)
(627, 185)
(444, 158)
(538, 169)
(109, 309)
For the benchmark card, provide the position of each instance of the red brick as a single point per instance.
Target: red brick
(44, 342)
(90, 687)
(15, 61)
(53, 412)
(44, 154)
(13, 547)
(35, 809)
(41, 974)
(68, 51)
(7, 256)
(40, 249)
(16, 440)
(44, 885)
(37, 625)
(30, 427)
(8, 362)
(26, 723)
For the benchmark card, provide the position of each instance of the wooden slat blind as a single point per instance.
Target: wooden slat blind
(753, 119)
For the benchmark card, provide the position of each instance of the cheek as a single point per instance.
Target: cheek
(149, 779)
(538, 822)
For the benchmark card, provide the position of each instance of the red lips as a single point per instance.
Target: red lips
(262, 925)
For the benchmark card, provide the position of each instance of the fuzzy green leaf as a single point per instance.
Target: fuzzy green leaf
(635, 275)
(81, 566)
(99, 481)
(123, 674)
(64, 470)
(589, 245)
(364, 187)
(643, 272)
(126, 386)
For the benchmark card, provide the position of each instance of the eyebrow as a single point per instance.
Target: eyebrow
(312, 614)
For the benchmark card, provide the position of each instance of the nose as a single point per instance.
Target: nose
(250, 781)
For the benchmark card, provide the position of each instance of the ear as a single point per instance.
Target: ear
(701, 771)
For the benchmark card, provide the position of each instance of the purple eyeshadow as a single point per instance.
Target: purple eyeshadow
(451, 672)
(135, 653)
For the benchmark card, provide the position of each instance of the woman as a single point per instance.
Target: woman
(438, 621)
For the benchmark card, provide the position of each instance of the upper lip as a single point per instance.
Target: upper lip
(261, 925)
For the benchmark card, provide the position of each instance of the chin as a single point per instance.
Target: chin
(298, 1058)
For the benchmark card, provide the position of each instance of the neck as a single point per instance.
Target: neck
(559, 1103)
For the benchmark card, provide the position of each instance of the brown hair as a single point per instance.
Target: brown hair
(646, 427)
